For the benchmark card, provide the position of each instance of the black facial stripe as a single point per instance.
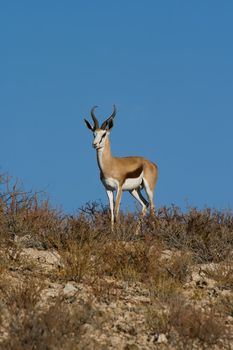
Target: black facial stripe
(102, 137)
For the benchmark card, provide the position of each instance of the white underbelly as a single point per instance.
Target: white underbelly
(128, 185)
(133, 183)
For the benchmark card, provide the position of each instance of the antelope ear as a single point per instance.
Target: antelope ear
(88, 125)
(104, 125)
(107, 125)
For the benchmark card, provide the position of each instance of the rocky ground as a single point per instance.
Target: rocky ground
(67, 282)
(40, 309)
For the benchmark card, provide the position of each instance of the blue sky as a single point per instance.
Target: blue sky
(166, 64)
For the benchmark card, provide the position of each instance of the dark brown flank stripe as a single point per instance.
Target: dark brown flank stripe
(134, 174)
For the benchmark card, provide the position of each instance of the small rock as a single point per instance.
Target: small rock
(131, 347)
(116, 342)
(226, 293)
(69, 289)
(229, 320)
(162, 339)
(213, 292)
(44, 257)
(166, 255)
(195, 276)
(201, 283)
(205, 283)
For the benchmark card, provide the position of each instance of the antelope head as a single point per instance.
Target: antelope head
(100, 133)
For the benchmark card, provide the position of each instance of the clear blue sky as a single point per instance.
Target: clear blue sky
(166, 64)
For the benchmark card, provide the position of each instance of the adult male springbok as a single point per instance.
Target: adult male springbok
(121, 174)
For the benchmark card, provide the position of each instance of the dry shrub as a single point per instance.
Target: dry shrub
(122, 260)
(59, 327)
(207, 234)
(225, 305)
(157, 319)
(77, 261)
(26, 214)
(12, 259)
(22, 296)
(179, 267)
(166, 277)
(98, 217)
(164, 288)
(105, 290)
(4, 263)
(223, 274)
(161, 283)
(193, 323)
(30, 324)
(90, 253)
(19, 300)
(185, 324)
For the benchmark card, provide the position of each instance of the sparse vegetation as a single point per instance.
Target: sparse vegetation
(67, 282)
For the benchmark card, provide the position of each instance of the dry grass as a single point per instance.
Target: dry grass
(223, 274)
(57, 327)
(186, 324)
(194, 323)
(92, 255)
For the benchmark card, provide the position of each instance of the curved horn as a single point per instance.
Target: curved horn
(113, 113)
(105, 123)
(96, 123)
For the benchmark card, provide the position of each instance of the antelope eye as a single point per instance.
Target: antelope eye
(103, 136)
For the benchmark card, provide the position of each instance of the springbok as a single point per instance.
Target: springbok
(121, 174)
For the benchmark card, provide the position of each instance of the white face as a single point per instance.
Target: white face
(99, 138)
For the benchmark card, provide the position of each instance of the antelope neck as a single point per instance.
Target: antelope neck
(104, 155)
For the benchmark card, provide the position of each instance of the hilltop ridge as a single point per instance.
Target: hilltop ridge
(67, 282)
